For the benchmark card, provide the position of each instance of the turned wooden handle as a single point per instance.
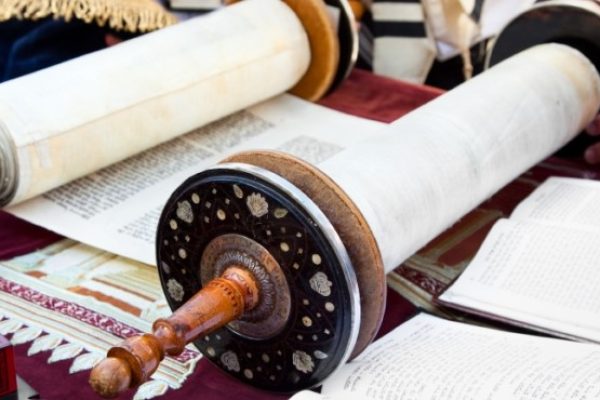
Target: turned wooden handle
(131, 363)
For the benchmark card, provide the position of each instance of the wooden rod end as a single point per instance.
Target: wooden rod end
(110, 377)
(132, 362)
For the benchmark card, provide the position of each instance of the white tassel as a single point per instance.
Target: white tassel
(44, 343)
(64, 352)
(150, 390)
(9, 326)
(86, 361)
(25, 335)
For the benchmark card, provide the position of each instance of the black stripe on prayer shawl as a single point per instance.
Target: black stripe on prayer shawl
(399, 29)
(365, 49)
(477, 8)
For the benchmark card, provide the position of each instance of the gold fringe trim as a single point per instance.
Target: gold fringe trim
(132, 16)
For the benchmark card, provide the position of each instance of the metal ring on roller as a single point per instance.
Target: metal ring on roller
(347, 33)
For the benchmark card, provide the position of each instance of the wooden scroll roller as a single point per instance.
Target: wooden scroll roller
(75, 118)
(315, 242)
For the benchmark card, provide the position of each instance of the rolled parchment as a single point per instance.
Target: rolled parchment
(67, 121)
(429, 168)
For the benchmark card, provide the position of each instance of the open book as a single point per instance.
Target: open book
(432, 358)
(540, 269)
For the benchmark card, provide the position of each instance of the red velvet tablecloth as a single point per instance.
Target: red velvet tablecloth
(363, 94)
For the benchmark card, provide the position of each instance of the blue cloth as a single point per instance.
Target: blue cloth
(26, 46)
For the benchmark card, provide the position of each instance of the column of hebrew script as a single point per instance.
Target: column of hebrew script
(540, 267)
(430, 358)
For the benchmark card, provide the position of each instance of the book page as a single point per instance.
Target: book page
(117, 208)
(536, 275)
(564, 201)
(431, 358)
(310, 395)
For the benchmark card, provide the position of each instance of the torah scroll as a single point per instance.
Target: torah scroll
(72, 119)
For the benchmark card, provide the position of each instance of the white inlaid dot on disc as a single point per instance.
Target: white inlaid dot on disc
(329, 306)
(195, 198)
(238, 191)
(248, 373)
(284, 247)
(307, 321)
(221, 214)
(182, 253)
(173, 224)
(316, 259)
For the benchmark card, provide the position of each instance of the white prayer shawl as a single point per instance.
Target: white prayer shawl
(410, 34)
(402, 47)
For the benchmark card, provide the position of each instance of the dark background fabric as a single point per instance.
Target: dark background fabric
(26, 46)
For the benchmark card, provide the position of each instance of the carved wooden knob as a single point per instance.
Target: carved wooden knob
(111, 377)
(132, 363)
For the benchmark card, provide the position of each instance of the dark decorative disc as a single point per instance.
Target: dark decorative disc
(573, 23)
(241, 214)
(347, 37)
